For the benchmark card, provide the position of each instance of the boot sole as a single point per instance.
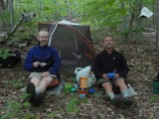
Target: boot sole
(128, 101)
(38, 100)
(117, 101)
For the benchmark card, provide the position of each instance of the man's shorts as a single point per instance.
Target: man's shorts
(112, 81)
(38, 75)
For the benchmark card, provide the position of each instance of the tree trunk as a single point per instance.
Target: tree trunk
(139, 21)
(2, 4)
(11, 14)
(130, 27)
(2, 9)
(124, 24)
(6, 9)
(135, 23)
(157, 26)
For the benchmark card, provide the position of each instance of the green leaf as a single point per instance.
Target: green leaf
(26, 104)
(111, 2)
(46, 8)
(72, 106)
(122, 11)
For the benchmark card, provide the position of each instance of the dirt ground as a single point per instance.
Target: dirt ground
(143, 63)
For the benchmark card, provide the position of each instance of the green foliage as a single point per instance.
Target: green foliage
(72, 105)
(4, 53)
(12, 109)
(30, 117)
(104, 13)
(67, 87)
(98, 94)
(17, 83)
(114, 15)
(4, 82)
(83, 100)
(5, 18)
(23, 36)
(25, 97)
(111, 14)
(53, 114)
(154, 98)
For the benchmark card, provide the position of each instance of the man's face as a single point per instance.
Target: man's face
(108, 43)
(43, 38)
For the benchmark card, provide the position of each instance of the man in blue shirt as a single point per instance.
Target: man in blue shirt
(44, 64)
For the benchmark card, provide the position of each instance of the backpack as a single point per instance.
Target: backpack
(8, 58)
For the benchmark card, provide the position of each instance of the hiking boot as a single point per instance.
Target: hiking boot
(128, 101)
(38, 100)
(106, 97)
(116, 101)
(31, 91)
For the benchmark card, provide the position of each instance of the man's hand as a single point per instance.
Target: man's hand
(105, 76)
(117, 75)
(36, 64)
(45, 74)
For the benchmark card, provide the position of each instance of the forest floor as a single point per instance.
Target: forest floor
(143, 63)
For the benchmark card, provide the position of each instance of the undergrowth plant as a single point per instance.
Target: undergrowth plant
(13, 107)
(72, 105)
(154, 99)
(16, 84)
(4, 53)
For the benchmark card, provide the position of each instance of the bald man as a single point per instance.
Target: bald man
(111, 61)
(44, 64)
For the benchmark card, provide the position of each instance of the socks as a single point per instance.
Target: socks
(131, 91)
(39, 90)
(125, 92)
(111, 95)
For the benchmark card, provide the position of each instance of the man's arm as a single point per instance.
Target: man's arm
(124, 67)
(54, 69)
(28, 64)
(97, 67)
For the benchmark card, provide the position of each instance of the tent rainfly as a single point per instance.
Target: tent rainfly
(73, 42)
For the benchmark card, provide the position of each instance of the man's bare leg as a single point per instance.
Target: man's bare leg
(108, 89)
(123, 87)
(124, 90)
(115, 100)
(43, 84)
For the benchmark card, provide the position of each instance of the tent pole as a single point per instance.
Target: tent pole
(52, 32)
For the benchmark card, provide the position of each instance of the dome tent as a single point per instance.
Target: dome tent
(73, 42)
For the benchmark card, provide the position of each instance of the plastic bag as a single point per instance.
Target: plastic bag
(87, 73)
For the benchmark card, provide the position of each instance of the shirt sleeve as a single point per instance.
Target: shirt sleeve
(54, 69)
(124, 67)
(28, 64)
(97, 67)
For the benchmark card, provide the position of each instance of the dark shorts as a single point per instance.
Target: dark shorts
(111, 81)
(116, 88)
